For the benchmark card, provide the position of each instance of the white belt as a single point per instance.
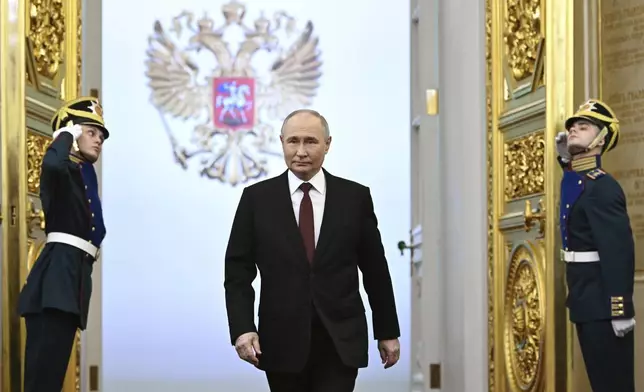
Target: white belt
(74, 241)
(580, 257)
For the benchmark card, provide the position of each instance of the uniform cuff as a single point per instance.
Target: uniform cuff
(621, 307)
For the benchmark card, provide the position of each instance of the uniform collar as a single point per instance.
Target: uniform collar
(318, 181)
(76, 158)
(586, 163)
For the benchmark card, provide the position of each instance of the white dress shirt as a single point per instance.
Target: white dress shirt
(318, 196)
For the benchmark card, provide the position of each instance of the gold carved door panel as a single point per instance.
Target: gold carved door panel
(40, 44)
(527, 329)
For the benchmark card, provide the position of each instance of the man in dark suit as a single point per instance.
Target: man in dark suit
(308, 232)
(598, 249)
(55, 298)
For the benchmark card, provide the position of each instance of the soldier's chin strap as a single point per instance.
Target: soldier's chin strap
(600, 136)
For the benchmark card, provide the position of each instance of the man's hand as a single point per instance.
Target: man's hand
(75, 130)
(389, 352)
(247, 346)
(561, 140)
(622, 327)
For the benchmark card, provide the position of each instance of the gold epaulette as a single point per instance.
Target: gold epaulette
(595, 174)
(75, 159)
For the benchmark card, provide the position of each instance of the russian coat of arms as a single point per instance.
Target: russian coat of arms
(235, 96)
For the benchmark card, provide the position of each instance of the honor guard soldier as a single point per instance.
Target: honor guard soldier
(55, 298)
(598, 249)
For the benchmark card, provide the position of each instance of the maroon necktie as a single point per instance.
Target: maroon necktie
(306, 221)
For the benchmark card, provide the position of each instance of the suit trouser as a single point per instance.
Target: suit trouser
(324, 371)
(50, 338)
(610, 360)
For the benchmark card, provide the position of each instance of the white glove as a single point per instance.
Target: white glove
(623, 326)
(75, 130)
(561, 140)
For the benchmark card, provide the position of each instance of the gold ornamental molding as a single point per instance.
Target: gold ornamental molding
(79, 45)
(36, 147)
(45, 45)
(490, 193)
(524, 166)
(46, 33)
(524, 319)
(54, 45)
(523, 37)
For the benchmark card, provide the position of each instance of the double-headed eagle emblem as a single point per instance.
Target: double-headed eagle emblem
(259, 75)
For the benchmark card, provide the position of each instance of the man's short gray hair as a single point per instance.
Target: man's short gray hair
(325, 124)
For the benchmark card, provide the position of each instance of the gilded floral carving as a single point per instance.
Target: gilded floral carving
(524, 165)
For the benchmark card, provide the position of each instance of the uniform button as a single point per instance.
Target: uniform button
(564, 216)
(93, 228)
(579, 182)
(89, 200)
(92, 214)
(567, 205)
(90, 241)
(85, 186)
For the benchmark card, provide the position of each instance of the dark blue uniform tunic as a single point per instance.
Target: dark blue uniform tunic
(593, 217)
(56, 295)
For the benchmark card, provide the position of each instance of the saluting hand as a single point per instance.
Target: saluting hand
(561, 140)
(389, 352)
(247, 346)
(75, 130)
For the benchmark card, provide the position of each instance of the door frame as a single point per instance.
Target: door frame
(13, 134)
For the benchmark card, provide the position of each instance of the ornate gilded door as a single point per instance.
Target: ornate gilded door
(533, 83)
(546, 57)
(40, 42)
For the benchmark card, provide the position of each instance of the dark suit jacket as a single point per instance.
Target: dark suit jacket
(265, 236)
(61, 277)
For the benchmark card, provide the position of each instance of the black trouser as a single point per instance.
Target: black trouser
(324, 371)
(610, 360)
(50, 338)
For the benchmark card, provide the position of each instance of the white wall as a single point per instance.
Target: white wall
(164, 323)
